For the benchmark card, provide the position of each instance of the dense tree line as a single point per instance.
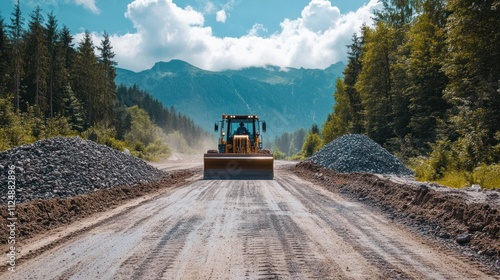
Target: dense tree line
(49, 87)
(424, 81)
(45, 72)
(289, 144)
(168, 119)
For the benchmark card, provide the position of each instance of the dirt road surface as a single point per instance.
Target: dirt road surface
(285, 228)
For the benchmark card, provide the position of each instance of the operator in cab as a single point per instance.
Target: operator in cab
(242, 130)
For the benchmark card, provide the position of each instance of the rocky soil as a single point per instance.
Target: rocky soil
(357, 167)
(466, 220)
(61, 180)
(65, 167)
(358, 153)
(40, 215)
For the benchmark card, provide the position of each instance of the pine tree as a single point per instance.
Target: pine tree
(108, 68)
(67, 50)
(351, 73)
(16, 37)
(312, 142)
(5, 58)
(36, 63)
(298, 140)
(425, 78)
(64, 57)
(51, 37)
(86, 79)
(398, 13)
(341, 121)
(473, 68)
(73, 109)
(375, 82)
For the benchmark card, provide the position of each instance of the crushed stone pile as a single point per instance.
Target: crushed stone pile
(64, 167)
(358, 153)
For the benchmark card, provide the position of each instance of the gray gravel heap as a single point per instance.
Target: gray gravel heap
(64, 167)
(358, 153)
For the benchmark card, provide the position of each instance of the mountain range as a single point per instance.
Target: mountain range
(287, 99)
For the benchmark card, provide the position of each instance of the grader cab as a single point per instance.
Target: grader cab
(240, 154)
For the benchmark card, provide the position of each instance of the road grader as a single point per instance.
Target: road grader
(240, 154)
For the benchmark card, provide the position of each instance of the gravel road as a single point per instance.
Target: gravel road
(286, 228)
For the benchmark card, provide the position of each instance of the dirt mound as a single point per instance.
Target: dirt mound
(65, 167)
(358, 153)
(37, 216)
(463, 219)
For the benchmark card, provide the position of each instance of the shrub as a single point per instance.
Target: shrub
(157, 151)
(104, 134)
(115, 144)
(15, 128)
(488, 176)
(278, 154)
(57, 126)
(455, 179)
(312, 144)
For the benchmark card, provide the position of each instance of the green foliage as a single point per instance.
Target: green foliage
(488, 176)
(375, 82)
(36, 64)
(15, 128)
(455, 179)
(167, 119)
(351, 74)
(142, 129)
(277, 153)
(446, 166)
(105, 134)
(398, 12)
(25, 128)
(57, 126)
(289, 143)
(5, 57)
(60, 90)
(341, 121)
(73, 109)
(86, 76)
(313, 142)
(425, 78)
(474, 78)
(145, 138)
(297, 157)
(442, 160)
(428, 82)
(156, 151)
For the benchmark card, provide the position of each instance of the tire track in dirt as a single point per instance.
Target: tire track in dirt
(160, 259)
(341, 228)
(249, 229)
(275, 246)
(379, 242)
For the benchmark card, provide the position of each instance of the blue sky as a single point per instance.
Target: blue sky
(214, 34)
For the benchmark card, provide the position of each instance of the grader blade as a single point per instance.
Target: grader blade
(226, 166)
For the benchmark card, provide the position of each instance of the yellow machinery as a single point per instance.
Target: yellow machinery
(240, 154)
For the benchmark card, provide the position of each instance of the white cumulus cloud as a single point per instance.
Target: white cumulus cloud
(320, 16)
(221, 16)
(87, 4)
(164, 31)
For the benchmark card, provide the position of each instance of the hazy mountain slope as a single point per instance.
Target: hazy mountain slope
(287, 100)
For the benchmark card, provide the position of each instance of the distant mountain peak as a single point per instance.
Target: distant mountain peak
(287, 98)
(175, 66)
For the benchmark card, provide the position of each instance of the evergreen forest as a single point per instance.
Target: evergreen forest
(424, 82)
(51, 86)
